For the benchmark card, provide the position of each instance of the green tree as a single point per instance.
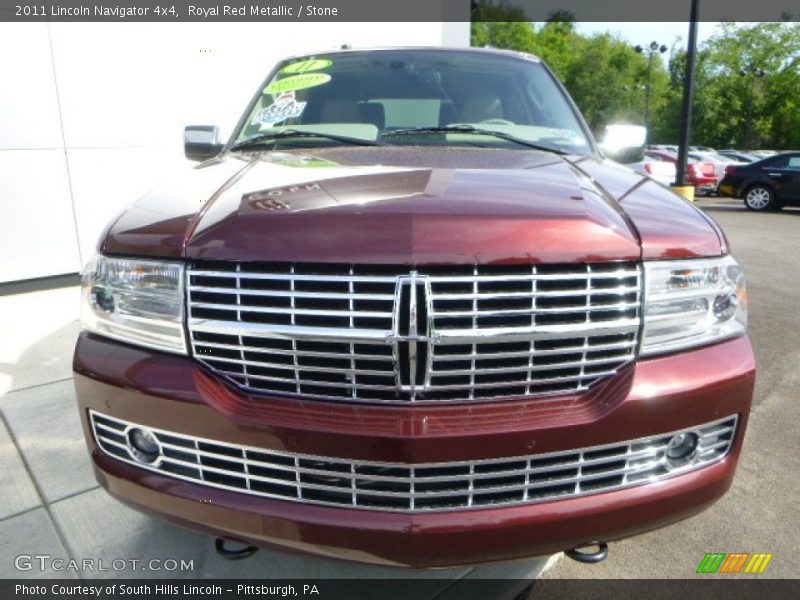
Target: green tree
(728, 94)
(733, 56)
(556, 42)
(500, 27)
(605, 75)
(608, 79)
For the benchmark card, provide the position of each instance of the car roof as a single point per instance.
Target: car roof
(431, 49)
(660, 151)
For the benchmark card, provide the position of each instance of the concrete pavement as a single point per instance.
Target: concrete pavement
(761, 512)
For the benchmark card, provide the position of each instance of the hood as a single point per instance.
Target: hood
(397, 205)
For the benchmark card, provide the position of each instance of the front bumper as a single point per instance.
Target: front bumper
(650, 398)
(706, 186)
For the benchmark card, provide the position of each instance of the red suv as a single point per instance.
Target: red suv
(410, 314)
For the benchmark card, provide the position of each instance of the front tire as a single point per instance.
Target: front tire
(759, 198)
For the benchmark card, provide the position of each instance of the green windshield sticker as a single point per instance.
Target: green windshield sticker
(297, 82)
(307, 65)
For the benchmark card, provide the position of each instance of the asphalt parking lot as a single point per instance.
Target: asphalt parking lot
(761, 512)
(50, 503)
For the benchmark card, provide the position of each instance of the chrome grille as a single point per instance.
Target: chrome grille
(415, 487)
(399, 334)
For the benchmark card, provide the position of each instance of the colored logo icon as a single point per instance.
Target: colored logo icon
(732, 563)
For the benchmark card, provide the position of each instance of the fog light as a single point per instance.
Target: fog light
(725, 306)
(143, 445)
(103, 299)
(682, 448)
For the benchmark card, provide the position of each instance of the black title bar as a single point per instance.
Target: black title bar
(707, 587)
(335, 11)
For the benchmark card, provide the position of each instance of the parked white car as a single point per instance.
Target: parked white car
(661, 171)
(720, 162)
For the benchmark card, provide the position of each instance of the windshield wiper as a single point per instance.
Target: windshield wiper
(475, 131)
(267, 138)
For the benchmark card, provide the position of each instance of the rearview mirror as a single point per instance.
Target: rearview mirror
(201, 142)
(624, 143)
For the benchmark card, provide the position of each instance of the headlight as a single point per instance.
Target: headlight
(136, 301)
(693, 302)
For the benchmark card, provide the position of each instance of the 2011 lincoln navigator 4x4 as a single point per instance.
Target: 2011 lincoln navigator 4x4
(411, 314)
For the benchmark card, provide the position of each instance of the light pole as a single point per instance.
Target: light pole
(688, 96)
(652, 49)
(753, 72)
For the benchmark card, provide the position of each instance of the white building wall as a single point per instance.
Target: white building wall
(92, 115)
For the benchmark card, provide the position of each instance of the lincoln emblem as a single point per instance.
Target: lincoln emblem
(411, 335)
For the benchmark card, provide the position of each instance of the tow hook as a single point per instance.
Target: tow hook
(581, 555)
(233, 554)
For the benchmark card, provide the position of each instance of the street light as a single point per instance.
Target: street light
(652, 49)
(686, 108)
(753, 72)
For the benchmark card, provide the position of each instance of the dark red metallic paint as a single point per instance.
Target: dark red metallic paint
(415, 205)
(668, 225)
(654, 396)
(516, 206)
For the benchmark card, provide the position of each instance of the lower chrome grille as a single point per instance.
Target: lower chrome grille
(397, 334)
(415, 487)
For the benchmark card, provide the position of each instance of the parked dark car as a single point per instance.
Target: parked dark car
(410, 314)
(767, 184)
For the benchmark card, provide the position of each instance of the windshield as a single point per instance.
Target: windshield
(370, 95)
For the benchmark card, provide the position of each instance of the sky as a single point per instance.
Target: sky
(644, 33)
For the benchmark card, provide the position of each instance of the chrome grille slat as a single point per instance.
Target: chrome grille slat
(322, 383)
(291, 352)
(620, 274)
(279, 294)
(529, 381)
(629, 346)
(293, 277)
(465, 386)
(496, 295)
(448, 314)
(418, 487)
(532, 368)
(334, 331)
(293, 367)
(455, 336)
(362, 336)
(290, 311)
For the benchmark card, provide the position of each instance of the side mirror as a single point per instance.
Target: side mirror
(201, 142)
(624, 143)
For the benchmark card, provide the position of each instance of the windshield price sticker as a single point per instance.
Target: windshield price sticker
(297, 82)
(304, 66)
